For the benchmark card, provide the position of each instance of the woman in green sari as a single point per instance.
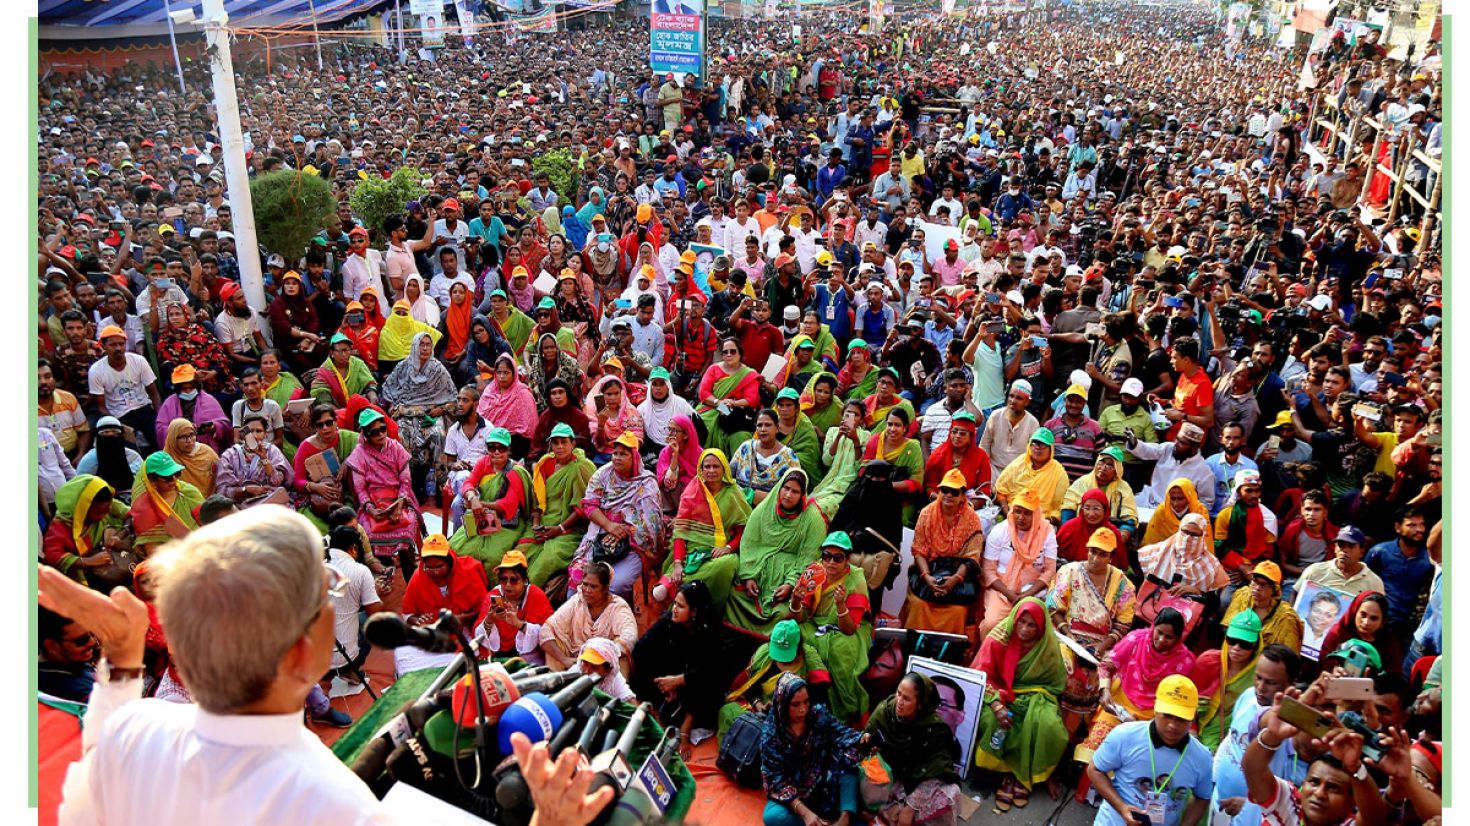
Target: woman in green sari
(1021, 731)
(558, 483)
(795, 430)
(343, 376)
(163, 504)
(85, 511)
(711, 518)
(513, 325)
(885, 398)
(787, 651)
(730, 385)
(801, 364)
(893, 445)
(822, 340)
(782, 537)
(497, 498)
(837, 621)
(842, 456)
(820, 403)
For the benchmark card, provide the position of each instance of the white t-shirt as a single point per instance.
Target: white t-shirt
(463, 448)
(361, 592)
(235, 333)
(268, 408)
(125, 390)
(998, 548)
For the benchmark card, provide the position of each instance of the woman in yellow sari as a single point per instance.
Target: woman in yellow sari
(1179, 501)
(827, 352)
(1224, 674)
(1037, 470)
(198, 459)
(395, 340)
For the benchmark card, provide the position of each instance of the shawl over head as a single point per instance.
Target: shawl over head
(705, 516)
(198, 465)
(1072, 537)
(513, 407)
(1185, 555)
(688, 458)
(419, 381)
(1013, 666)
(917, 749)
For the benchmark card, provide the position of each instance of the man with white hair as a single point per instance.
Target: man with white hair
(248, 604)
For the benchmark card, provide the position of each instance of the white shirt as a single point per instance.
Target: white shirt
(460, 232)
(53, 468)
(463, 448)
(122, 391)
(132, 325)
(1167, 469)
(999, 550)
(440, 285)
(237, 334)
(862, 234)
(269, 410)
(361, 592)
(153, 763)
(735, 234)
(358, 274)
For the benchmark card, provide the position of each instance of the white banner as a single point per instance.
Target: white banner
(423, 7)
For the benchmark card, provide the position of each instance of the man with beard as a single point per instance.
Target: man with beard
(1276, 670)
(59, 412)
(238, 328)
(1268, 385)
(76, 354)
(1405, 568)
(1365, 373)
(1174, 460)
(464, 444)
(1229, 462)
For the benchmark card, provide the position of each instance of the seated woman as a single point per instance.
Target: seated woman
(399, 337)
(823, 342)
(443, 580)
(893, 445)
(783, 536)
(417, 393)
(254, 471)
(885, 399)
(89, 520)
(676, 664)
(387, 507)
(759, 462)
(946, 555)
(1180, 500)
(361, 328)
(920, 749)
(188, 402)
(1037, 470)
(795, 431)
(484, 346)
(1223, 674)
(820, 403)
(809, 761)
(548, 362)
(1107, 478)
(1279, 623)
(513, 612)
(319, 486)
(1130, 675)
(111, 458)
(1020, 559)
(199, 460)
(621, 503)
(558, 486)
(343, 375)
(787, 651)
(1020, 731)
(561, 408)
(1189, 556)
(184, 341)
(728, 393)
(678, 462)
(497, 497)
(507, 403)
(163, 504)
(837, 620)
(707, 528)
(801, 364)
(592, 611)
(842, 457)
(611, 414)
(1077, 530)
(858, 377)
(1366, 619)
(600, 658)
(1092, 602)
(959, 452)
(282, 387)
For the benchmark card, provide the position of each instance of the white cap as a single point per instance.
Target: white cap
(276, 261)
(1014, 296)
(224, 233)
(1021, 386)
(1132, 387)
(203, 160)
(1080, 377)
(1073, 269)
(1321, 303)
(791, 313)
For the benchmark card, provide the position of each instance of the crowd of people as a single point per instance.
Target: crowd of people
(1065, 306)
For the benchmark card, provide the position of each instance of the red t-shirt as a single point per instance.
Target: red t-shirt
(758, 342)
(1192, 394)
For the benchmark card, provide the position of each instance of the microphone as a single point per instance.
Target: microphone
(501, 688)
(539, 716)
(511, 791)
(385, 630)
(636, 806)
(372, 762)
(612, 766)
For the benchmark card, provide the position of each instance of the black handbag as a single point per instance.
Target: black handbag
(610, 549)
(963, 594)
(740, 751)
(738, 420)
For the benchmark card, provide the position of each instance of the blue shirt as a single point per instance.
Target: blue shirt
(1245, 724)
(1126, 752)
(1225, 477)
(1403, 577)
(832, 308)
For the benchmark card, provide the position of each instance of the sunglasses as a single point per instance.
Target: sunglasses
(83, 640)
(376, 431)
(1234, 643)
(730, 352)
(495, 448)
(950, 492)
(834, 557)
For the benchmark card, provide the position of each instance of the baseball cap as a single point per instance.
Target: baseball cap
(1103, 539)
(498, 436)
(513, 559)
(788, 394)
(435, 544)
(1112, 452)
(1283, 419)
(1268, 569)
(367, 417)
(785, 641)
(228, 289)
(162, 464)
(183, 374)
(1044, 436)
(276, 261)
(111, 330)
(954, 479)
(1077, 390)
(1351, 535)
(1177, 696)
(1320, 303)
(1245, 626)
(628, 439)
(590, 655)
(1349, 646)
(657, 374)
(1247, 476)
(838, 539)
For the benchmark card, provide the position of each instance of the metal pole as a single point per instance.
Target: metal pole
(316, 35)
(168, 14)
(237, 177)
(398, 12)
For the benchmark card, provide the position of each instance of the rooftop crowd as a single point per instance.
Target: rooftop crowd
(1064, 295)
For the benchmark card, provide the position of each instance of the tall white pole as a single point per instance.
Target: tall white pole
(398, 12)
(168, 14)
(316, 35)
(237, 177)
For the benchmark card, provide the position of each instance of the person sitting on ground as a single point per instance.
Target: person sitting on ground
(513, 612)
(254, 471)
(593, 611)
(920, 750)
(809, 760)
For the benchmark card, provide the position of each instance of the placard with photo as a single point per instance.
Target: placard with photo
(961, 695)
(1320, 608)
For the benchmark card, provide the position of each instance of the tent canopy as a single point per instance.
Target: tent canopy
(113, 19)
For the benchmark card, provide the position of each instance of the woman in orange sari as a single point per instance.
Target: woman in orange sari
(945, 531)
(456, 323)
(362, 329)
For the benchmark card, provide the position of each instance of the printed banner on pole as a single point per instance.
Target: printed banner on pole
(676, 37)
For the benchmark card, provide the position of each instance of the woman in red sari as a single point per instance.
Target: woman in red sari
(959, 452)
(444, 580)
(1092, 515)
(362, 325)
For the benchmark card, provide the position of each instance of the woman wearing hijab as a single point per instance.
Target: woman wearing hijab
(362, 324)
(558, 486)
(1223, 674)
(197, 459)
(163, 504)
(444, 580)
(508, 403)
(678, 462)
(621, 503)
(295, 326)
(396, 339)
(795, 431)
(1131, 673)
(1020, 559)
(1036, 470)
(574, 227)
(782, 537)
(497, 505)
(842, 455)
(88, 518)
(484, 346)
(421, 306)
(1092, 602)
(1091, 517)
(1280, 624)
(188, 402)
(183, 341)
(417, 393)
(1366, 619)
(837, 619)
(456, 325)
(1180, 500)
(611, 414)
(676, 664)
(920, 750)
(946, 530)
(710, 521)
(728, 385)
(643, 283)
(561, 408)
(809, 760)
(892, 444)
(1107, 477)
(278, 385)
(1020, 731)
(959, 452)
(858, 378)
(110, 457)
(1188, 555)
(600, 658)
(820, 403)
(547, 361)
(885, 398)
(388, 510)
(824, 345)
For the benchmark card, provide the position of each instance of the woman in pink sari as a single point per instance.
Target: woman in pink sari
(507, 402)
(612, 414)
(387, 507)
(678, 462)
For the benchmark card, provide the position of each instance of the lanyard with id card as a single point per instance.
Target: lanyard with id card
(1155, 802)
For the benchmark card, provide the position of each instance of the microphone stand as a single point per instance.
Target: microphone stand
(448, 620)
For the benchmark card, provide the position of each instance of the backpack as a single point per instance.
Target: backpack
(740, 751)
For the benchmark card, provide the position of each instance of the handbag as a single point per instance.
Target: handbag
(738, 420)
(740, 751)
(610, 549)
(1154, 596)
(963, 594)
(875, 781)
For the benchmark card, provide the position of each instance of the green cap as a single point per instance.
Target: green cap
(892, 374)
(838, 539)
(338, 338)
(500, 436)
(1245, 626)
(1045, 436)
(1348, 646)
(963, 416)
(546, 303)
(807, 344)
(788, 393)
(658, 373)
(785, 641)
(860, 344)
(367, 417)
(500, 293)
(1114, 452)
(162, 464)
(561, 431)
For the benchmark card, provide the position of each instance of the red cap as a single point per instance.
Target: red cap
(227, 290)
(672, 159)
(92, 162)
(688, 127)
(84, 218)
(358, 230)
(783, 259)
(146, 143)
(67, 251)
(450, 203)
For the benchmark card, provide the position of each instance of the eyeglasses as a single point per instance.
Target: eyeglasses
(1234, 643)
(376, 431)
(83, 641)
(834, 557)
(325, 423)
(950, 492)
(496, 448)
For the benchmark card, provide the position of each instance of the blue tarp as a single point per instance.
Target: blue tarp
(114, 19)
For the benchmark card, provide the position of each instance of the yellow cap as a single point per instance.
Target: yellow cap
(590, 655)
(435, 544)
(1268, 569)
(628, 439)
(1177, 696)
(513, 559)
(953, 478)
(1103, 539)
(1077, 390)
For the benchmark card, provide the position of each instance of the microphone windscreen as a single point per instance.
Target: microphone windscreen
(533, 715)
(386, 630)
(499, 692)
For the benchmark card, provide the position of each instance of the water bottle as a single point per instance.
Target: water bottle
(998, 740)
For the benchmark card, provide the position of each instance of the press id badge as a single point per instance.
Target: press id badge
(1154, 807)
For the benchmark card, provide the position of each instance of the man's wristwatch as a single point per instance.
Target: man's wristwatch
(1361, 773)
(109, 673)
